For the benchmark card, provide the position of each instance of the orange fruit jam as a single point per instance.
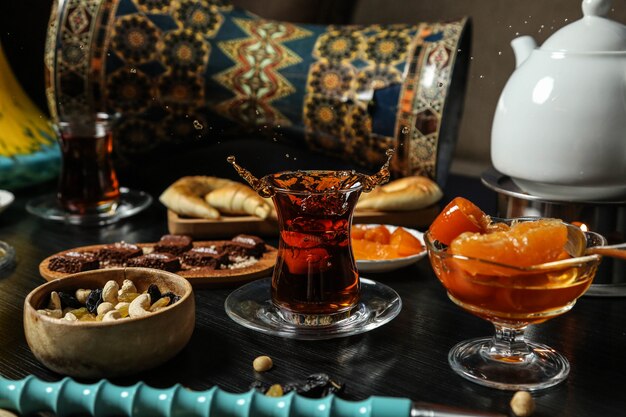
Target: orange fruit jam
(490, 284)
(523, 244)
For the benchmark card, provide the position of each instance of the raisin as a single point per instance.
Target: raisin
(173, 297)
(315, 386)
(94, 300)
(68, 300)
(154, 292)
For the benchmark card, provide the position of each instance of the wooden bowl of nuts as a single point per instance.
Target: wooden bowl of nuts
(110, 322)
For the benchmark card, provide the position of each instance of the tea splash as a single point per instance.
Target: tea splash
(314, 181)
(315, 280)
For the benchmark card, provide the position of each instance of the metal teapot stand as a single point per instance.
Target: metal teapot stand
(605, 217)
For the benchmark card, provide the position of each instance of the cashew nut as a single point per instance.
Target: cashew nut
(522, 404)
(54, 307)
(81, 295)
(104, 308)
(140, 306)
(55, 301)
(109, 292)
(262, 363)
(70, 317)
(127, 287)
(112, 315)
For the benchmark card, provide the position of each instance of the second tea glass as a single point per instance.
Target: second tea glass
(88, 191)
(512, 298)
(88, 182)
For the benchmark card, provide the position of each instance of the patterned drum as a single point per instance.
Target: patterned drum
(182, 70)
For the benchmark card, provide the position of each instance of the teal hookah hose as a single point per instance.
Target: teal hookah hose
(102, 399)
(68, 397)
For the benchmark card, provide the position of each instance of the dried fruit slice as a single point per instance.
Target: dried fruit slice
(357, 231)
(524, 244)
(405, 243)
(378, 234)
(459, 216)
(373, 251)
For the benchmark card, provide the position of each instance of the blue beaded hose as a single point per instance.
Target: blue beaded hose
(68, 397)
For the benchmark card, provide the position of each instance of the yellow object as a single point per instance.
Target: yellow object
(23, 128)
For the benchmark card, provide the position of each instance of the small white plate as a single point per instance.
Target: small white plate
(6, 198)
(386, 265)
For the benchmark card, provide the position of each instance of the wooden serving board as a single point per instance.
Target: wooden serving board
(233, 225)
(198, 277)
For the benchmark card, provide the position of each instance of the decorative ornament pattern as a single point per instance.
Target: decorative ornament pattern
(201, 17)
(185, 67)
(422, 99)
(135, 38)
(255, 77)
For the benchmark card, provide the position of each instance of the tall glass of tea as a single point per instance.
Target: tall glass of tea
(88, 182)
(315, 281)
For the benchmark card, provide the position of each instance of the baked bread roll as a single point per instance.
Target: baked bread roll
(186, 196)
(238, 198)
(409, 193)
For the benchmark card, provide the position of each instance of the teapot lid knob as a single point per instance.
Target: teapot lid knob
(596, 7)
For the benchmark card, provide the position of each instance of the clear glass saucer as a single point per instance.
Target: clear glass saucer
(251, 306)
(130, 203)
(7, 255)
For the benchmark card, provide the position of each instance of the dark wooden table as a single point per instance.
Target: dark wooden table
(405, 358)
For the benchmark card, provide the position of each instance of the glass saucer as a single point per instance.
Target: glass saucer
(130, 203)
(251, 306)
(7, 255)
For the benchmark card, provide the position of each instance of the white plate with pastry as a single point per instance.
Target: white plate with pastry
(387, 265)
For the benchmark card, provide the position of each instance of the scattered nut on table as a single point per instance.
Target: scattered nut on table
(522, 404)
(262, 363)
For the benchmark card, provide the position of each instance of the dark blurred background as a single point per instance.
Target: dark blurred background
(23, 26)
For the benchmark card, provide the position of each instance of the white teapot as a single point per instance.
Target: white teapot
(559, 129)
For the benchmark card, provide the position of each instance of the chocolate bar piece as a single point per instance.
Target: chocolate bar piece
(72, 262)
(245, 245)
(164, 261)
(175, 244)
(119, 252)
(205, 256)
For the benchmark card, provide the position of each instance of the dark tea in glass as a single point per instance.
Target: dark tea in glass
(315, 280)
(88, 182)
